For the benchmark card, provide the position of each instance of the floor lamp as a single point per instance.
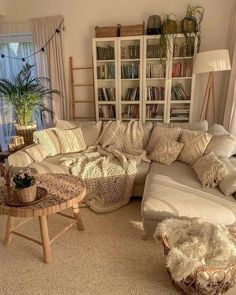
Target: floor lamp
(210, 62)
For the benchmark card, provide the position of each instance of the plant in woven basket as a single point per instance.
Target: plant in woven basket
(191, 23)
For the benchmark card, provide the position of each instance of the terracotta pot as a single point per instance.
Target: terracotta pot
(26, 195)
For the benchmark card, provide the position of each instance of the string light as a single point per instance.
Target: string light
(23, 59)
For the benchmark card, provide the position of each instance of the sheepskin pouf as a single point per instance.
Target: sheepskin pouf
(202, 255)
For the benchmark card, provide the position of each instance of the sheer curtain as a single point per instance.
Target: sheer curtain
(17, 46)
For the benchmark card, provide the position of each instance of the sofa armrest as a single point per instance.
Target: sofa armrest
(20, 159)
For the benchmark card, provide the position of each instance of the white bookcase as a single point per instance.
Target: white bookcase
(147, 85)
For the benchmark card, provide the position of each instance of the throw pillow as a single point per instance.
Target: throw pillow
(71, 141)
(48, 140)
(195, 144)
(209, 170)
(91, 130)
(223, 146)
(166, 151)
(197, 126)
(159, 133)
(228, 183)
(37, 152)
(217, 129)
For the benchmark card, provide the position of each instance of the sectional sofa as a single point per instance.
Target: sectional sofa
(166, 191)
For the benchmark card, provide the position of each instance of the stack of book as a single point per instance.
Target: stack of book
(106, 71)
(155, 71)
(155, 93)
(107, 111)
(182, 69)
(130, 52)
(179, 112)
(154, 51)
(178, 92)
(183, 50)
(153, 112)
(105, 53)
(133, 111)
(130, 71)
(106, 94)
(132, 94)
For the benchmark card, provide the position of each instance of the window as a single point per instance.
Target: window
(16, 46)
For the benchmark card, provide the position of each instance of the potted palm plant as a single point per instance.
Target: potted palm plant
(26, 94)
(169, 26)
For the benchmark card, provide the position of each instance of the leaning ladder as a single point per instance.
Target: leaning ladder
(76, 101)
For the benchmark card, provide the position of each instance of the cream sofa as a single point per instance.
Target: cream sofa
(166, 190)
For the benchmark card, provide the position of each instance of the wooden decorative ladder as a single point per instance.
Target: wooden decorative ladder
(74, 85)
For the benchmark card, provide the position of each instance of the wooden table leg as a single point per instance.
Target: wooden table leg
(77, 216)
(45, 238)
(8, 235)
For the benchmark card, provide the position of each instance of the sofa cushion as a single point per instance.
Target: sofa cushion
(37, 152)
(19, 159)
(48, 139)
(228, 183)
(90, 129)
(175, 191)
(47, 167)
(195, 144)
(197, 126)
(209, 170)
(71, 141)
(159, 133)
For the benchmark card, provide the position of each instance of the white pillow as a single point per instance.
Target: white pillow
(37, 152)
(228, 183)
(71, 141)
(223, 146)
(48, 139)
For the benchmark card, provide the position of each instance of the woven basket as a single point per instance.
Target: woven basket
(104, 32)
(26, 132)
(132, 30)
(193, 285)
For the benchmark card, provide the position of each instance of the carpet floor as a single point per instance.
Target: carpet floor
(109, 257)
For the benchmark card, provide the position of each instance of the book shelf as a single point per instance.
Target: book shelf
(134, 79)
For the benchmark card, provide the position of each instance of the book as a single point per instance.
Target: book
(132, 94)
(105, 53)
(107, 111)
(106, 94)
(106, 71)
(130, 71)
(182, 69)
(155, 93)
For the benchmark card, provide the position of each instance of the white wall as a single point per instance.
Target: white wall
(81, 16)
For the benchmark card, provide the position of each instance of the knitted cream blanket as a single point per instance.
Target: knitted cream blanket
(109, 167)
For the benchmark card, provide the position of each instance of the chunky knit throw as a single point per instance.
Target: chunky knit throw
(109, 167)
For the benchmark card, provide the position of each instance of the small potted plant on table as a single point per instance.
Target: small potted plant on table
(25, 186)
(27, 95)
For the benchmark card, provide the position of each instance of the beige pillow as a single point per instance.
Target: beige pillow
(71, 141)
(37, 152)
(197, 126)
(195, 144)
(91, 130)
(209, 170)
(228, 183)
(159, 133)
(166, 151)
(48, 139)
(223, 146)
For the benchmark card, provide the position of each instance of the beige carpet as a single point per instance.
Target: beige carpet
(107, 258)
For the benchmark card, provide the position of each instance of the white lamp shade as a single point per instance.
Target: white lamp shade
(211, 61)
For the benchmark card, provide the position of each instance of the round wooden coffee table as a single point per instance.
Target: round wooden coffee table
(64, 191)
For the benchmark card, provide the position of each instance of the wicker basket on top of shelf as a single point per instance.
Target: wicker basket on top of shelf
(104, 32)
(131, 30)
(203, 281)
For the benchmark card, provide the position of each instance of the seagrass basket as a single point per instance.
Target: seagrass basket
(104, 32)
(132, 30)
(26, 132)
(205, 281)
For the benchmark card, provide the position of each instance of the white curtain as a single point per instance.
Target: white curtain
(50, 63)
(230, 107)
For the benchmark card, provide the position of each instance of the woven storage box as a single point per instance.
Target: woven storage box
(132, 30)
(103, 32)
(196, 285)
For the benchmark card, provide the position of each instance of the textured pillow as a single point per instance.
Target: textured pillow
(223, 146)
(37, 152)
(159, 133)
(195, 143)
(209, 170)
(228, 183)
(71, 141)
(166, 151)
(48, 140)
(91, 130)
(197, 126)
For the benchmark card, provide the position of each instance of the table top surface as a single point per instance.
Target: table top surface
(64, 191)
